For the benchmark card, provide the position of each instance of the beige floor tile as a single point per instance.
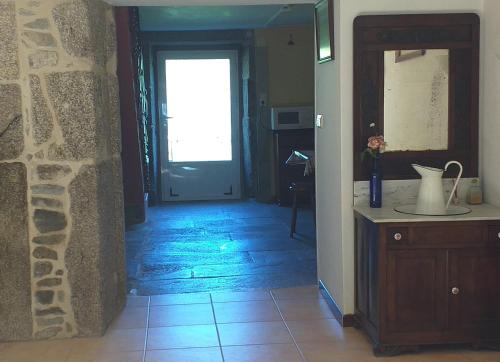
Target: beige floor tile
(426, 356)
(319, 330)
(309, 291)
(235, 334)
(262, 353)
(304, 309)
(182, 337)
(115, 340)
(212, 354)
(254, 311)
(326, 352)
(482, 356)
(338, 351)
(345, 339)
(188, 298)
(223, 297)
(43, 351)
(180, 315)
(137, 301)
(131, 318)
(107, 357)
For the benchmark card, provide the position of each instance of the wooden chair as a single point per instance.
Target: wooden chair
(305, 188)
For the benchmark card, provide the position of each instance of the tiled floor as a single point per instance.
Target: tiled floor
(284, 325)
(208, 246)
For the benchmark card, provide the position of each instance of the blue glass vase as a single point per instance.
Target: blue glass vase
(376, 184)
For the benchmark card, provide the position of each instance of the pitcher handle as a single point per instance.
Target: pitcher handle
(456, 182)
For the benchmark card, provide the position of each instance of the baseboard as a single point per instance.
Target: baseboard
(345, 320)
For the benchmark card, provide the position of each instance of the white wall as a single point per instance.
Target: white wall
(490, 126)
(331, 249)
(290, 68)
(328, 174)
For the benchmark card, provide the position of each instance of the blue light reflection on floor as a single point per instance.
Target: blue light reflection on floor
(209, 246)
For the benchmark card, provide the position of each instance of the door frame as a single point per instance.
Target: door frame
(236, 111)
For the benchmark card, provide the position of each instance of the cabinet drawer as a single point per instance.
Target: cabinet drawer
(446, 234)
(494, 234)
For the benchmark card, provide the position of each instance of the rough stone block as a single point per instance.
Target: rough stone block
(9, 67)
(42, 252)
(11, 125)
(52, 172)
(42, 268)
(45, 296)
(81, 25)
(114, 115)
(49, 311)
(40, 39)
(47, 322)
(43, 58)
(111, 39)
(47, 333)
(42, 123)
(43, 202)
(47, 189)
(110, 198)
(48, 220)
(49, 282)
(78, 102)
(53, 239)
(40, 24)
(83, 253)
(93, 255)
(15, 281)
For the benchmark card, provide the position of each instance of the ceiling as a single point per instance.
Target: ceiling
(170, 18)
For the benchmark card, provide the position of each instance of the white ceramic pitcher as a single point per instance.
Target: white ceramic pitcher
(430, 199)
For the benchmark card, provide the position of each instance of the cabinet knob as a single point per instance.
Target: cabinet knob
(455, 290)
(498, 235)
(398, 236)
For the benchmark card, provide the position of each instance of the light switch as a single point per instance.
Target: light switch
(319, 121)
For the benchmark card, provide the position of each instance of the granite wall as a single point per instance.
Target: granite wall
(62, 269)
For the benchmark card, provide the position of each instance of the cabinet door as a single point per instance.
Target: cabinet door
(416, 290)
(475, 298)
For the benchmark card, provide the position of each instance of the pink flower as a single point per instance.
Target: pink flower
(376, 143)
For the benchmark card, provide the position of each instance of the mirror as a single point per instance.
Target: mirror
(416, 99)
(416, 82)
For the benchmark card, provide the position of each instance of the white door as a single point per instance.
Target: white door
(199, 125)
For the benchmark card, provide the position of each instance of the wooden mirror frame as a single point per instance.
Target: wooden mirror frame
(373, 35)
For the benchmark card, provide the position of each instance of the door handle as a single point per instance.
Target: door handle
(172, 193)
(230, 191)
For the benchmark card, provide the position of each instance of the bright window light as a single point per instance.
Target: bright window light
(199, 107)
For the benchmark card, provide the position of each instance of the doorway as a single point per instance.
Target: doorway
(199, 130)
(211, 93)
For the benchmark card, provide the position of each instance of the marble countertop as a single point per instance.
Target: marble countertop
(388, 214)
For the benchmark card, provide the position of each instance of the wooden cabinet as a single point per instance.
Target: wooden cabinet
(428, 282)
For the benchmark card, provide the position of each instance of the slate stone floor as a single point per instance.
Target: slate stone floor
(228, 245)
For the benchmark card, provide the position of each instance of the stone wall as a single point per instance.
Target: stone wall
(62, 269)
